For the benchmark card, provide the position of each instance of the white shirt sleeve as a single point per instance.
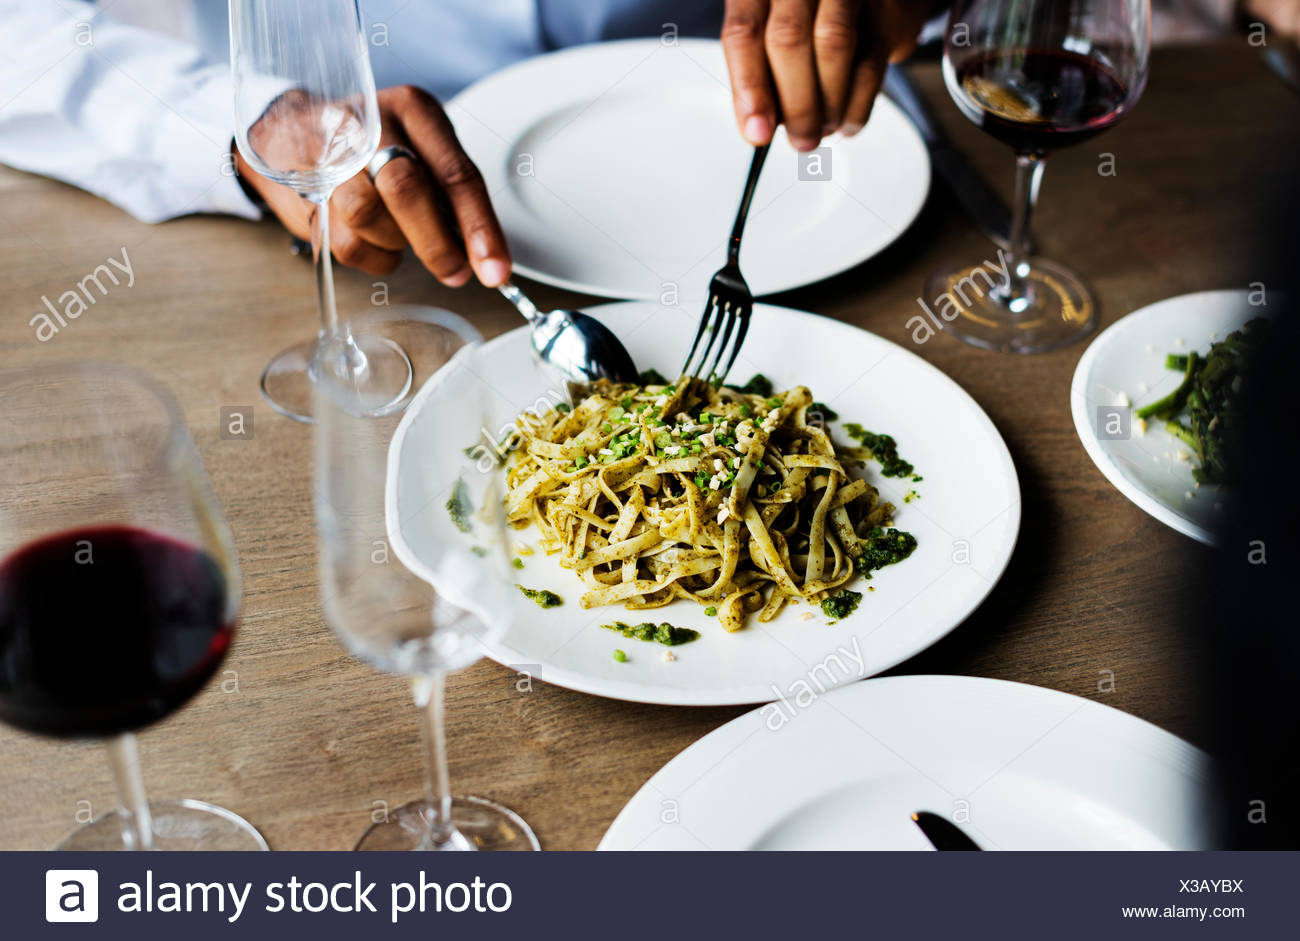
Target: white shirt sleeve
(132, 115)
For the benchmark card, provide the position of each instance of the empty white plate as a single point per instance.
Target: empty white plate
(616, 169)
(1016, 767)
(965, 519)
(1126, 364)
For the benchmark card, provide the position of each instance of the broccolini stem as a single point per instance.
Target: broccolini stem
(1172, 403)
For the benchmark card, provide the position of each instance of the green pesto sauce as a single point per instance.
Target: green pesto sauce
(652, 377)
(459, 506)
(884, 449)
(544, 598)
(759, 385)
(841, 604)
(665, 633)
(825, 411)
(883, 547)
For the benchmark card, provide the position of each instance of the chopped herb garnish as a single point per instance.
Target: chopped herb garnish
(478, 551)
(517, 563)
(842, 604)
(459, 506)
(620, 656)
(711, 611)
(564, 408)
(544, 598)
(665, 633)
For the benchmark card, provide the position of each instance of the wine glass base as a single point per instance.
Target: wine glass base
(177, 825)
(1057, 310)
(483, 825)
(287, 380)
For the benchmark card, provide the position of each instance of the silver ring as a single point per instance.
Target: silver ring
(385, 154)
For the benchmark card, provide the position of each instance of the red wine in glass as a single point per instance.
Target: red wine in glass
(1037, 75)
(107, 629)
(119, 585)
(1037, 100)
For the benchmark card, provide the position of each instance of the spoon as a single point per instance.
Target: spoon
(580, 346)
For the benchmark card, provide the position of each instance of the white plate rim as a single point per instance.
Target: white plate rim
(1197, 764)
(671, 696)
(1157, 509)
(850, 260)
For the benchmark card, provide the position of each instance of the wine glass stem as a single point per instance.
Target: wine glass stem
(125, 758)
(1029, 174)
(437, 782)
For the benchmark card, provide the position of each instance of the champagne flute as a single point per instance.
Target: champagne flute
(386, 616)
(119, 588)
(306, 116)
(1037, 75)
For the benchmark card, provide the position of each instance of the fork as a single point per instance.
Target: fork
(730, 301)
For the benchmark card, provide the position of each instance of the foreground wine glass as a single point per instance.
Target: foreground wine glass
(394, 621)
(1037, 75)
(119, 588)
(306, 116)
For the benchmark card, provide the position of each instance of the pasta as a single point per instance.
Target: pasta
(735, 500)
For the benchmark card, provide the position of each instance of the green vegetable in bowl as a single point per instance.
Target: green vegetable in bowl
(1204, 411)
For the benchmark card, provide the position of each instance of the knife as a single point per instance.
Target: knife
(943, 834)
(980, 202)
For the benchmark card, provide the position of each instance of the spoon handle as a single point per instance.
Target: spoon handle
(520, 300)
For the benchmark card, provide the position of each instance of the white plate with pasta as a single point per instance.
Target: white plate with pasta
(732, 515)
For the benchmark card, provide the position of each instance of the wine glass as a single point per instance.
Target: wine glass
(1037, 75)
(386, 616)
(306, 116)
(119, 587)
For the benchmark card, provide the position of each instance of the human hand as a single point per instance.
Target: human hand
(816, 65)
(439, 206)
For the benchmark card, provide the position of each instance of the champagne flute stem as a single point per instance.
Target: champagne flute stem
(352, 361)
(125, 758)
(320, 241)
(1029, 175)
(437, 782)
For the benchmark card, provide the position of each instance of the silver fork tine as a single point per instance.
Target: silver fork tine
(745, 311)
(717, 315)
(730, 309)
(730, 299)
(704, 323)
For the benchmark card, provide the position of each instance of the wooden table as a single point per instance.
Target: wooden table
(310, 739)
